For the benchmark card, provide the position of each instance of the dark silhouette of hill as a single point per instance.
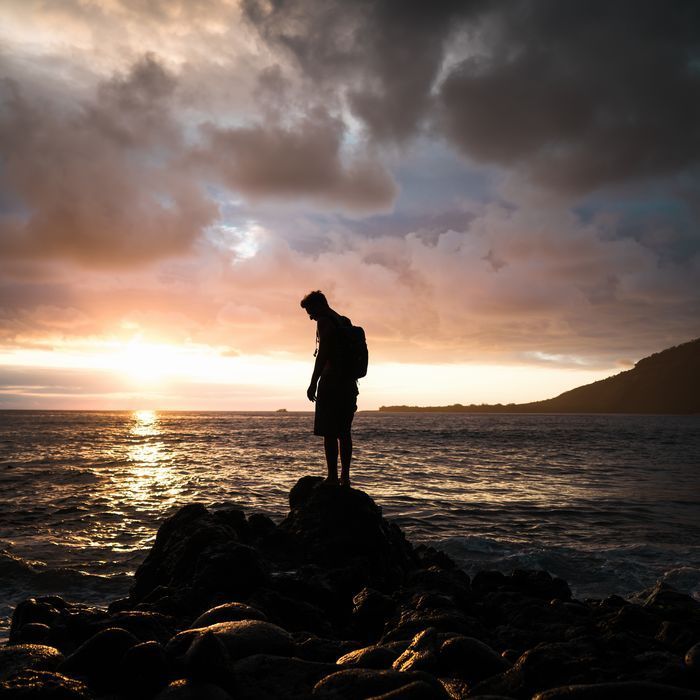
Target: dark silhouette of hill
(665, 382)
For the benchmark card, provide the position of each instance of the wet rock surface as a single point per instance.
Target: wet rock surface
(334, 602)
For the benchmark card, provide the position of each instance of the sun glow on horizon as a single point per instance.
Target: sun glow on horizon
(139, 373)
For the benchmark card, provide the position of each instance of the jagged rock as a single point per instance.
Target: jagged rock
(375, 656)
(292, 614)
(411, 622)
(43, 685)
(184, 689)
(539, 584)
(146, 626)
(343, 527)
(488, 582)
(70, 624)
(673, 604)
(228, 612)
(360, 683)
(144, 669)
(371, 610)
(469, 659)
(659, 667)
(692, 658)
(260, 525)
(453, 583)
(208, 660)
(313, 648)
(268, 677)
(202, 550)
(545, 666)
(633, 618)
(32, 633)
(242, 638)
(44, 609)
(98, 659)
(677, 636)
(32, 657)
(638, 690)
(421, 654)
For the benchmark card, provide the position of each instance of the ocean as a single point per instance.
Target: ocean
(609, 502)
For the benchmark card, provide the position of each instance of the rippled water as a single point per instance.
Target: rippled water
(612, 503)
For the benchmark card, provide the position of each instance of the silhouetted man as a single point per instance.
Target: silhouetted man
(332, 388)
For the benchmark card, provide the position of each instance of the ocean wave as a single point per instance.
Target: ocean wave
(18, 573)
(591, 572)
(20, 578)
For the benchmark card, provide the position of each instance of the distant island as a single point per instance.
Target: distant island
(665, 382)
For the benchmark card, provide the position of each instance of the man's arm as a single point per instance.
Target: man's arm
(324, 330)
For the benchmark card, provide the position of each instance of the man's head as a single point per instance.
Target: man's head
(314, 303)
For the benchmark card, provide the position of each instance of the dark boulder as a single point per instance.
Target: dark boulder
(291, 613)
(228, 612)
(183, 689)
(469, 659)
(144, 669)
(208, 660)
(145, 626)
(375, 656)
(418, 690)
(32, 633)
(545, 666)
(635, 690)
(692, 658)
(343, 527)
(268, 677)
(313, 648)
(202, 550)
(43, 685)
(99, 658)
(360, 684)
(410, 622)
(70, 624)
(33, 657)
(371, 609)
(242, 638)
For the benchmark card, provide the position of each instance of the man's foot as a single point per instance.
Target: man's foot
(332, 480)
(345, 483)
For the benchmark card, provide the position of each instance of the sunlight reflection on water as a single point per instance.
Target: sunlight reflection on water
(151, 480)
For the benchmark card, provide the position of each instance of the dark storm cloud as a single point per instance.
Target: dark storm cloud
(582, 94)
(305, 160)
(576, 95)
(385, 55)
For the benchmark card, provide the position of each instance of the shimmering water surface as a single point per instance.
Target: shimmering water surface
(611, 503)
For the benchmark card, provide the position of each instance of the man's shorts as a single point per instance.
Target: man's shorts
(336, 403)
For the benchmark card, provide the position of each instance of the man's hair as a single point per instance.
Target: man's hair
(315, 299)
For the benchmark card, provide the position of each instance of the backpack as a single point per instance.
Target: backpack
(351, 347)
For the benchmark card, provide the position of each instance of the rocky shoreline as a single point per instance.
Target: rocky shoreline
(334, 602)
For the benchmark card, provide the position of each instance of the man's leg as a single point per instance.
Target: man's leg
(345, 458)
(330, 445)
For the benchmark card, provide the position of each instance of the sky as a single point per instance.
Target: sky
(505, 196)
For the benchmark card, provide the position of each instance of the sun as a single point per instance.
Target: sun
(150, 362)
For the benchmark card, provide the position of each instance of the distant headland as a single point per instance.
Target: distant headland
(665, 382)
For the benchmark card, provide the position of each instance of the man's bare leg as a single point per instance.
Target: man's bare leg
(330, 446)
(345, 458)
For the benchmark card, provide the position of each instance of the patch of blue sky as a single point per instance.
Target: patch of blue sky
(667, 225)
